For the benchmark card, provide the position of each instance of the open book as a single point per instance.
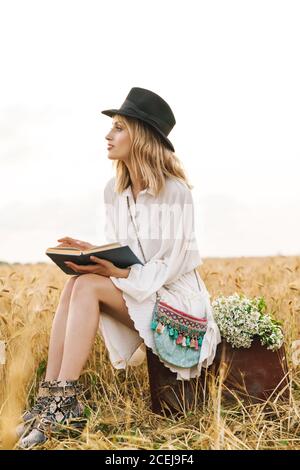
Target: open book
(120, 256)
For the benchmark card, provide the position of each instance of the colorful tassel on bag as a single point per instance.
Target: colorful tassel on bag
(179, 339)
(183, 335)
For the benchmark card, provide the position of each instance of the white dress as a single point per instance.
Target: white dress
(171, 258)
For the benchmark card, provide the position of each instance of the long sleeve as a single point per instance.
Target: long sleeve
(176, 254)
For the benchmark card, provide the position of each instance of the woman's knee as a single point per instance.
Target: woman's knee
(89, 282)
(68, 288)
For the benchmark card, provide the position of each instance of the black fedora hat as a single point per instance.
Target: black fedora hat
(150, 108)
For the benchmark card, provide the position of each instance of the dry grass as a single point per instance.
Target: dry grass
(118, 401)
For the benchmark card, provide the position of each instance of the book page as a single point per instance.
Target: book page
(77, 251)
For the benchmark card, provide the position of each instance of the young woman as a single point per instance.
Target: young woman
(150, 194)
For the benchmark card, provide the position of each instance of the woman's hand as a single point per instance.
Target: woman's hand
(101, 266)
(68, 242)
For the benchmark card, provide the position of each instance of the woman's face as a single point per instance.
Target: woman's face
(118, 141)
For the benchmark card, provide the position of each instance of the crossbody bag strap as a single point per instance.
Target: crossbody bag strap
(141, 248)
(136, 231)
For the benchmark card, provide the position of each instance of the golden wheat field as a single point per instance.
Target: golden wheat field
(118, 401)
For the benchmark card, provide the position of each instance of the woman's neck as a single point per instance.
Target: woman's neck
(136, 185)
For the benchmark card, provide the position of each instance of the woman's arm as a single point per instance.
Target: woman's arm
(124, 273)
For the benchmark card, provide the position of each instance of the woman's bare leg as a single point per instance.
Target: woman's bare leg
(58, 331)
(89, 293)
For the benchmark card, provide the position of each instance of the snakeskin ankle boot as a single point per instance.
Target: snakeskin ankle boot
(63, 408)
(41, 402)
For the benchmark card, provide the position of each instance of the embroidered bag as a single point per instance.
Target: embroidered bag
(178, 336)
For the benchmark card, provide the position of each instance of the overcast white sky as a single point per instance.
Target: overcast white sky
(230, 70)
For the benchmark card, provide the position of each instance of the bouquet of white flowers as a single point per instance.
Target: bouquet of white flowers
(240, 319)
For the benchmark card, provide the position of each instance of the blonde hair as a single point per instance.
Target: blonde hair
(150, 159)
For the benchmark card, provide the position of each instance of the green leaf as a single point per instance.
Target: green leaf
(87, 412)
(41, 368)
(261, 304)
(285, 443)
